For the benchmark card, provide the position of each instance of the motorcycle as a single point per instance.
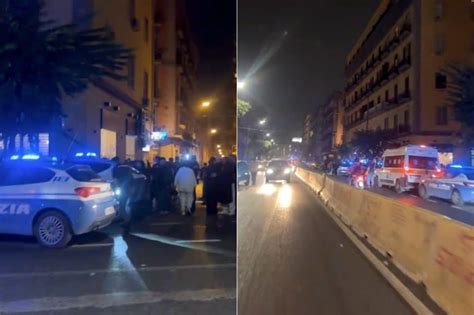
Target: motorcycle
(359, 181)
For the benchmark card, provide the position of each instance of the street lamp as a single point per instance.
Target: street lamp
(262, 122)
(267, 135)
(240, 85)
(218, 146)
(213, 131)
(206, 104)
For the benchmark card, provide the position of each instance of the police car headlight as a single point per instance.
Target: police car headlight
(270, 171)
(287, 171)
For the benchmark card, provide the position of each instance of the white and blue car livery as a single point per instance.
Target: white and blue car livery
(53, 203)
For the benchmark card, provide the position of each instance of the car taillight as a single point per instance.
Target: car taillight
(360, 178)
(468, 184)
(85, 192)
(407, 168)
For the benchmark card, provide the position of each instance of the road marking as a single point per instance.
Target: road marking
(114, 270)
(175, 242)
(92, 245)
(404, 292)
(459, 208)
(176, 223)
(199, 241)
(432, 201)
(103, 301)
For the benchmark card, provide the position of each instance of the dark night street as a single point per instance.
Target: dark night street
(166, 265)
(295, 258)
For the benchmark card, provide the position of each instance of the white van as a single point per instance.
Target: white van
(405, 167)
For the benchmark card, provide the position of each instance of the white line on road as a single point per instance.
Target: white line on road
(199, 241)
(114, 270)
(92, 245)
(103, 301)
(175, 242)
(459, 208)
(432, 201)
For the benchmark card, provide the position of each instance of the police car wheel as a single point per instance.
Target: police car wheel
(423, 192)
(456, 198)
(398, 187)
(52, 230)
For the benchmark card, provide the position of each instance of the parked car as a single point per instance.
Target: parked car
(457, 185)
(343, 169)
(53, 202)
(278, 170)
(132, 186)
(243, 173)
(404, 168)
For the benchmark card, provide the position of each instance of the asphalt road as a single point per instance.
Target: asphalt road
(168, 264)
(293, 259)
(463, 214)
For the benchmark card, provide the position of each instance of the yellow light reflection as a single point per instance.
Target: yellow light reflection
(285, 197)
(267, 189)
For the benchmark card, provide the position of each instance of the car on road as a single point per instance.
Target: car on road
(132, 186)
(53, 202)
(405, 167)
(262, 165)
(278, 170)
(243, 173)
(457, 185)
(343, 169)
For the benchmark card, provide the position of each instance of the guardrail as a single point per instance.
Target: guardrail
(429, 248)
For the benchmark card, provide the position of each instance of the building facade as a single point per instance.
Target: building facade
(394, 71)
(175, 60)
(332, 125)
(111, 118)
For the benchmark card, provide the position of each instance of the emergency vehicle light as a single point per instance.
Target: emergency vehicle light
(14, 157)
(79, 154)
(30, 157)
(456, 166)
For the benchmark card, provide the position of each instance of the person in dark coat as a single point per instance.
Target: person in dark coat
(225, 180)
(212, 186)
(163, 179)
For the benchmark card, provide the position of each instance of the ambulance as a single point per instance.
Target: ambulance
(405, 167)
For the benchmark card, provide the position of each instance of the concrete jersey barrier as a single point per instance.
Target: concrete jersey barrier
(428, 247)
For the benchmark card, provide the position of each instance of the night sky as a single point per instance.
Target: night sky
(213, 24)
(298, 50)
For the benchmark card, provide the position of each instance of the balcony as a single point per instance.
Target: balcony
(404, 64)
(403, 129)
(404, 97)
(393, 72)
(405, 31)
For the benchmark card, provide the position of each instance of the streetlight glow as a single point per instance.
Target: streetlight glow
(218, 146)
(240, 85)
(263, 121)
(206, 104)
(268, 134)
(213, 130)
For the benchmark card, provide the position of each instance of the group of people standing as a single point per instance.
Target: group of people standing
(179, 178)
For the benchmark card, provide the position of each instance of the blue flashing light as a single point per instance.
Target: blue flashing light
(456, 166)
(30, 157)
(79, 154)
(91, 154)
(187, 156)
(14, 157)
(55, 159)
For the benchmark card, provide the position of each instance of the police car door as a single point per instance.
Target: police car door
(20, 196)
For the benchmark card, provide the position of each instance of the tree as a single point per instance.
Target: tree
(344, 150)
(461, 98)
(372, 143)
(243, 108)
(41, 62)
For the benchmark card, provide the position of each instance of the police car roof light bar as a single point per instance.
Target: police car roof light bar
(30, 157)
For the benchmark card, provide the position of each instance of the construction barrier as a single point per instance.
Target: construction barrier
(429, 248)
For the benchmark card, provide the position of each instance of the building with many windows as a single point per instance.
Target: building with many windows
(394, 71)
(332, 125)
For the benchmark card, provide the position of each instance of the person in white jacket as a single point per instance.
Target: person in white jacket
(185, 183)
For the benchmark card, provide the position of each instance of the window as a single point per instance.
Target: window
(395, 122)
(385, 123)
(422, 162)
(83, 173)
(145, 84)
(407, 84)
(25, 175)
(439, 44)
(438, 9)
(442, 115)
(386, 95)
(393, 161)
(146, 31)
(395, 92)
(395, 60)
(440, 81)
(378, 99)
(406, 117)
(131, 72)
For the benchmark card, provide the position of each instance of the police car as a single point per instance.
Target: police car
(457, 185)
(52, 202)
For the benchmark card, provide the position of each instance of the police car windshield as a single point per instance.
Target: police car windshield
(452, 173)
(83, 173)
(278, 164)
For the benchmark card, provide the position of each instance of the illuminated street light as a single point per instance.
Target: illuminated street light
(206, 104)
(272, 141)
(262, 122)
(218, 146)
(240, 85)
(268, 134)
(213, 131)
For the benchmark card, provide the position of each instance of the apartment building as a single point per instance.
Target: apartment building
(394, 71)
(175, 59)
(331, 127)
(111, 118)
